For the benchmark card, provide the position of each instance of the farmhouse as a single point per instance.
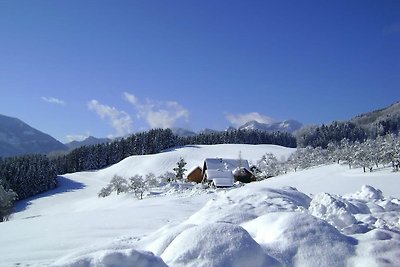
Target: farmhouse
(195, 174)
(224, 172)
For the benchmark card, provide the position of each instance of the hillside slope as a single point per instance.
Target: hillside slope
(370, 118)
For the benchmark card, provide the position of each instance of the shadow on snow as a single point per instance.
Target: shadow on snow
(64, 185)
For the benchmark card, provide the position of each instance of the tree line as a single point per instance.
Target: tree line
(368, 155)
(321, 136)
(154, 141)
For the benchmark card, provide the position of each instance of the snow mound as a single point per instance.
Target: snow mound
(367, 193)
(217, 244)
(249, 202)
(109, 258)
(161, 239)
(333, 210)
(298, 239)
(378, 247)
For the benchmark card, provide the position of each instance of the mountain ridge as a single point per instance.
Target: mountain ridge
(90, 140)
(18, 138)
(289, 126)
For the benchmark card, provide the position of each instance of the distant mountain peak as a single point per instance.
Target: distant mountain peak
(91, 140)
(283, 126)
(18, 138)
(181, 132)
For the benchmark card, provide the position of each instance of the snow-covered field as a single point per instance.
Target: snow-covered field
(268, 223)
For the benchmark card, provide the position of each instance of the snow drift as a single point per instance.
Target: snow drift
(291, 229)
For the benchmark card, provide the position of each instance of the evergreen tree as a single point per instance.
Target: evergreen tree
(7, 198)
(180, 169)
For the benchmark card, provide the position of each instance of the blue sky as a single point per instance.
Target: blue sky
(108, 68)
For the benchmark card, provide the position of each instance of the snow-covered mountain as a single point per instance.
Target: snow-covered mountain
(18, 138)
(91, 140)
(289, 126)
(182, 132)
(331, 219)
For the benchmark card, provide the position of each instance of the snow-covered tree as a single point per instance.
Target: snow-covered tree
(118, 184)
(180, 169)
(151, 180)
(138, 185)
(346, 152)
(333, 152)
(7, 198)
(363, 156)
(267, 166)
(391, 150)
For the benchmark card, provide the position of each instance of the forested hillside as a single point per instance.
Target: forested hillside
(369, 125)
(33, 174)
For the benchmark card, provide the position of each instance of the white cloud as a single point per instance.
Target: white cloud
(240, 119)
(53, 100)
(119, 120)
(77, 137)
(158, 114)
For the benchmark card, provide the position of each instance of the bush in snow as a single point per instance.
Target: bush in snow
(166, 177)
(105, 191)
(7, 198)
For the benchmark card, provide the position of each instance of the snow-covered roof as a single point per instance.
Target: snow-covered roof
(211, 174)
(220, 177)
(225, 164)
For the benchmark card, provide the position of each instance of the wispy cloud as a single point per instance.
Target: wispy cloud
(53, 100)
(158, 114)
(77, 137)
(119, 120)
(240, 119)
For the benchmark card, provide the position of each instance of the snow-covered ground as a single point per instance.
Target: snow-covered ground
(331, 219)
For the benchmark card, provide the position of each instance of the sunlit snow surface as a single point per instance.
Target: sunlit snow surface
(335, 217)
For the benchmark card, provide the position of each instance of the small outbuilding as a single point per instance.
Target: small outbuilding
(195, 174)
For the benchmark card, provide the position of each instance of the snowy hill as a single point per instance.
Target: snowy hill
(283, 126)
(18, 138)
(261, 224)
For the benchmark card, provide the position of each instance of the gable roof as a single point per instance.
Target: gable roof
(193, 169)
(225, 164)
